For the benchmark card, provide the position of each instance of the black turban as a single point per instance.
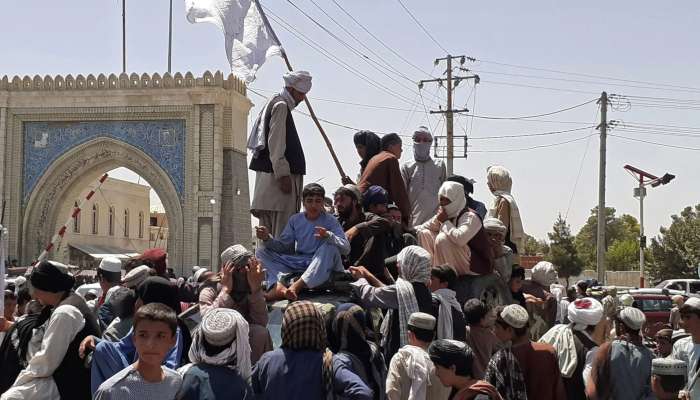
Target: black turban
(48, 277)
(446, 353)
(156, 289)
(468, 186)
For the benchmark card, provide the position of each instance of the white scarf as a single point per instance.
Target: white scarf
(418, 366)
(407, 305)
(455, 193)
(447, 300)
(256, 140)
(562, 338)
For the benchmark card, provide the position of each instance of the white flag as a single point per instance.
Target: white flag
(249, 40)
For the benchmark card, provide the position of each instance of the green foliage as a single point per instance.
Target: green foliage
(624, 228)
(534, 247)
(675, 253)
(623, 255)
(563, 253)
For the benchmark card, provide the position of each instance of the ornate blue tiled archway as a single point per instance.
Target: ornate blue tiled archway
(162, 140)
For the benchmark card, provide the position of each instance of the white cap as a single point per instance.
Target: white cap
(111, 264)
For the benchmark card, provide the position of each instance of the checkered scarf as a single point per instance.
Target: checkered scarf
(303, 328)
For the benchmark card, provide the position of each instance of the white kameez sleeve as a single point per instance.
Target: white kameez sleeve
(35, 382)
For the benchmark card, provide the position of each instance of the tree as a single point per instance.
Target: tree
(623, 255)
(625, 227)
(562, 250)
(675, 253)
(534, 247)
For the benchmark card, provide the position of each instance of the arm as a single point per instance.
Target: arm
(503, 211)
(432, 225)
(285, 243)
(257, 308)
(443, 172)
(393, 379)
(348, 384)
(468, 227)
(397, 189)
(376, 225)
(277, 140)
(406, 175)
(382, 297)
(209, 300)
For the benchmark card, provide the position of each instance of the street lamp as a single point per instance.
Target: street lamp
(644, 179)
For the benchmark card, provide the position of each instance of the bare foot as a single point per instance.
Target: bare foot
(276, 293)
(290, 294)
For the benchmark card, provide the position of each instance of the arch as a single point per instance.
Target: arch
(81, 167)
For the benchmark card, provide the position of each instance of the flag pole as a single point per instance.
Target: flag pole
(306, 99)
(170, 37)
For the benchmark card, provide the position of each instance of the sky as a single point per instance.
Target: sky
(651, 52)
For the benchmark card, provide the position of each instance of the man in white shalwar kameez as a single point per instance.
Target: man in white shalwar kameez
(423, 177)
(278, 157)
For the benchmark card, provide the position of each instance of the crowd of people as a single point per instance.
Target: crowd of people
(400, 248)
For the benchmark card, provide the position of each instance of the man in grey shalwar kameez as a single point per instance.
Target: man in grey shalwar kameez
(278, 157)
(423, 177)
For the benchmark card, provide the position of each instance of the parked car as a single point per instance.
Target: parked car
(656, 305)
(688, 286)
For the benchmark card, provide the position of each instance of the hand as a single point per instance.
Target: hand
(227, 277)
(442, 215)
(351, 233)
(87, 344)
(262, 233)
(5, 325)
(347, 181)
(285, 184)
(358, 272)
(321, 232)
(255, 274)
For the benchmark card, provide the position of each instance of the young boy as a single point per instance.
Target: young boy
(480, 336)
(155, 325)
(453, 362)
(311, 243)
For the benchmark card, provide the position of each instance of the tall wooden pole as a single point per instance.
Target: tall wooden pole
(603, 127)
(449, 121)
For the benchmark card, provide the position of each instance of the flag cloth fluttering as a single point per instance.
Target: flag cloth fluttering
(249, 39)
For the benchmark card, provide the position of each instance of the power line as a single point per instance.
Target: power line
(537, 87)
(533, 134)
(533, 116)
(422, 27)
(533, 147)
(391, 49)
(655, 143)
(580, 170)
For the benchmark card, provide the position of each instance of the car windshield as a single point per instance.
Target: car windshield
(648, 305)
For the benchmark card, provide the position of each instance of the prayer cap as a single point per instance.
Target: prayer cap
(495, 225)
(157, 257)
(219, 326)
(390, 139)
(515, 315)
(298, 80)
(111, 264)
(632, 317)
(195, 268)
(422, 320)
(665, 333)
(668, 367)
(585, 312)
(375, 194)
(136, 276)
(626, 300)
(422, 129)
(544, 273)
(198, 275)
(692, 302)
(51, 276)
(237, 254)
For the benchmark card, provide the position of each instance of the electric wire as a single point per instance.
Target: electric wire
(427, 32)
(533, 116)
(580, 169)
(655, 143)
(528, 135)
(534, 147)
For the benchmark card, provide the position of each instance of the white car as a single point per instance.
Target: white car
(83, 289)
(687, 286)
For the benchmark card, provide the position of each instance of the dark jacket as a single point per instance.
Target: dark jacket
(367, 248)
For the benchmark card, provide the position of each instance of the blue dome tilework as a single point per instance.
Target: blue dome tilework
(162, 140)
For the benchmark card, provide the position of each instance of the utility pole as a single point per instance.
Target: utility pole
(170, 37)
(449, 112)
(124, 36)
(603, 127)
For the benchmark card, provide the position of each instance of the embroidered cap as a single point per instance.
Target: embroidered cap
(422, 320)
(515, 315)
(668, 367)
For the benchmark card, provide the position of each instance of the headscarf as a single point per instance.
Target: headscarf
(414, 266)
(51, 276)
(375, 194)
(544, 273)
(227, 330)
(585, 312)
(495, 225)
(372, 145)
(455, 193)
(236, 254)
(298, 80)
(156, 289)
(136, 276)
(500, 181)
(303, 328)
(421, 151)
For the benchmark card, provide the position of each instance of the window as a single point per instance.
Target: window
(95, 218)
(76, 219)
(126, 223)
(111, 221)
(694, 287)
(141, 225)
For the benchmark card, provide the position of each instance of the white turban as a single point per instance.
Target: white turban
(495, 225)
(414, 264)
(544, 273)
(299, 80)
(632, 317)
(626, 300)
(585, 312)
(455, 192)
(422, 129)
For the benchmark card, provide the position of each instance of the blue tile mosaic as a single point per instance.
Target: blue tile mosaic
(162, 140)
